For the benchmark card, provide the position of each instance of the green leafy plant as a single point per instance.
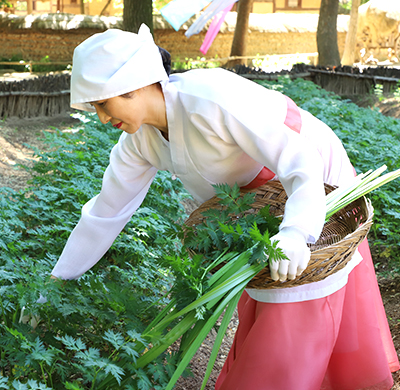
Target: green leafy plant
(236, 249)
(5, 3)
(237, 255)
(89, 332)
(48, 66)
(94, 332)
(219, 232)
(190, 63)
(14, 58)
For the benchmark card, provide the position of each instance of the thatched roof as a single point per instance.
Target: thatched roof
(388, 9)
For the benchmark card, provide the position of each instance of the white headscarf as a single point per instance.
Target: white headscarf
(112, 63)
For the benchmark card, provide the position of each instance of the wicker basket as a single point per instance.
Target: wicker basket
(339, 239)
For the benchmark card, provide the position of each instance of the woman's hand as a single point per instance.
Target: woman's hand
(293, 243)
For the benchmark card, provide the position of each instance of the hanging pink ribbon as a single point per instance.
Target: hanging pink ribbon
(214, 28)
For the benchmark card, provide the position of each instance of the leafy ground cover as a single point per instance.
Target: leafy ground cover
(89, 333)
(90, 330)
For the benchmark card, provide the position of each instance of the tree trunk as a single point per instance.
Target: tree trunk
(351, 37)
(29, 7)
(239, 43)
(137, 12)
(328, 51)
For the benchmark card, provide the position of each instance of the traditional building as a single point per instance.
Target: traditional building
(86, 7)
(286, 6)
(114, 7)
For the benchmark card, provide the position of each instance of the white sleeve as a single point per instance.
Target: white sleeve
(300, 170)
(245, 114)
(260, 132)
(125, 184)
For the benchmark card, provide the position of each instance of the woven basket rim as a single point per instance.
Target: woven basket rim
(361, 227)
(325, 260)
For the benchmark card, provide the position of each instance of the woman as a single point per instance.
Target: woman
(211, 126)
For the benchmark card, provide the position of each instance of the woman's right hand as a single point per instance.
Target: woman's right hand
(293, 243)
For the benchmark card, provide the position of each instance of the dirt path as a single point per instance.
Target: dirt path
(15, 132)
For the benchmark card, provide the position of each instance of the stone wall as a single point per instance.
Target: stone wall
(56, 37)
(258, 43)
(36, 44)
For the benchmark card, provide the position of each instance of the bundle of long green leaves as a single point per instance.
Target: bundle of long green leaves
(240, 242)
(229, 252)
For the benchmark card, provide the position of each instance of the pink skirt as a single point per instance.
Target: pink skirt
(340, 342)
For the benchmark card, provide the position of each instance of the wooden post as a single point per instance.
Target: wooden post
(239, 43)
(29, 6)
(351, 37)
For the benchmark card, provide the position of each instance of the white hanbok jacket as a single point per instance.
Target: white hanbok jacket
(222, 129)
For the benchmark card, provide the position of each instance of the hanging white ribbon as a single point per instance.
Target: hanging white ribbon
(214, 8)
(178, 12)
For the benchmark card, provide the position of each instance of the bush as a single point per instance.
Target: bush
(89, 334)
(17, 68)
(90, 331)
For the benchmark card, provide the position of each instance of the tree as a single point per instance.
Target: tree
(351, 37)
(137, 12)
(239, 43)
(328, 51)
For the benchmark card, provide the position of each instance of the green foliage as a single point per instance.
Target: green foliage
(190, 63)
(48, 67)
(229, 228)
(5, 3)
(159, 4)
(89, 333)
(44, 66)
(371, 140)
(345, 6)
(14, 58)
(232, 245)
(220, 232)
(92, 332)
